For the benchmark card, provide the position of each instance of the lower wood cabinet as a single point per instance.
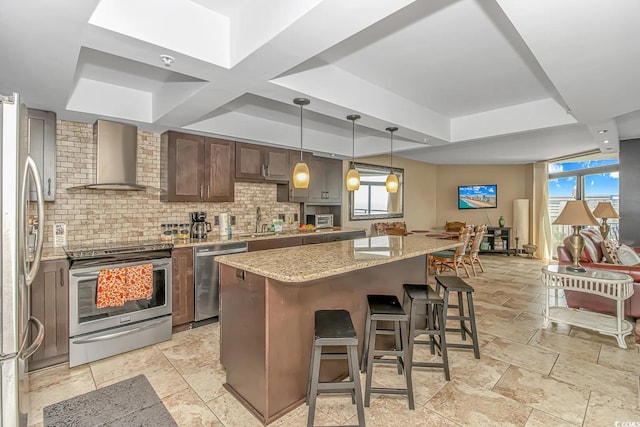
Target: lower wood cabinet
(50, 305)
(346, 235)
(182, 282)
(285, 242)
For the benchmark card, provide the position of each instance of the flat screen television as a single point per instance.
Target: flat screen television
(477, 196)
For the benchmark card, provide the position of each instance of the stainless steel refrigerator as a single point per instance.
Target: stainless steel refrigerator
(20, 334)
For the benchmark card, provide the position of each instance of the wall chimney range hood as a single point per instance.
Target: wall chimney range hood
(116, 158)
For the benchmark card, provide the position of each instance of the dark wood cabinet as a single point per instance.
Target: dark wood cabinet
(284, 242)
(42, 149)
(195, 168)
(50, 305)
(261, 163)
(346, 235)
(325, 185)
(182, 282)
(312, 239)
(497, 240)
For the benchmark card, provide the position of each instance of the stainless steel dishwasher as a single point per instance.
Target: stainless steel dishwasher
(207, 277)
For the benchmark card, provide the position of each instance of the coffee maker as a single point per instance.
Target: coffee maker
(199, 225)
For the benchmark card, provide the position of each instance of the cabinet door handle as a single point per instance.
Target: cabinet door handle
(49, 186)
(201, 190)
(62, 277)
(266, 168)
(263, 171)
(207, 191)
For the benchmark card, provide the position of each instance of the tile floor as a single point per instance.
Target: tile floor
(526, 376)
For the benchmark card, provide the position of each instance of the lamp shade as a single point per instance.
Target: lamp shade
(392, 183)
(301, 175)
(576, 212)
(353, 179)
(605, 210)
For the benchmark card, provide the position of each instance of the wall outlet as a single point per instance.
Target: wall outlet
(233, 220)
(281, 217)
(216, 220)
(295, 217)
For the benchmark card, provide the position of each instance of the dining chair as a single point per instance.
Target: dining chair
(471, 256)
(452, 259)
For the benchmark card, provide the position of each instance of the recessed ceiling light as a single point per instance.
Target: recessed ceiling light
(333, 154)
(606, 141)
(602, 131)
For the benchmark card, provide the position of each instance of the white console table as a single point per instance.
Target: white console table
(607, 284)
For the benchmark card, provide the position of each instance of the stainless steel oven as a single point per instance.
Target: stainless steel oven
(320, 220)
(96, 333)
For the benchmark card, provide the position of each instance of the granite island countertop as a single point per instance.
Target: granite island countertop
(311, 262)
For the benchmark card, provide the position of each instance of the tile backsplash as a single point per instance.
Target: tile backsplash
(100, 217)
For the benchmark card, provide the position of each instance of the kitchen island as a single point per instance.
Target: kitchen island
(267, 304)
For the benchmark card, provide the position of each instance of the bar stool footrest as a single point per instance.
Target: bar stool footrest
(382, 390)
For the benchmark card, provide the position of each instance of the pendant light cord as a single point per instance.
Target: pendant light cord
(353, 142)
(301, 133)
(391, 152)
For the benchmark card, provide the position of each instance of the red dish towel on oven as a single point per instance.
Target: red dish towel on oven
(139, 283)
(111, 288)
(119, 285)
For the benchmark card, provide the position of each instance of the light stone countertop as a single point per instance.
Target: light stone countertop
(51, 254)
(311, 262)
(213, 238)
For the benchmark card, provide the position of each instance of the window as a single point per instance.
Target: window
(371, 200)
(595, 180)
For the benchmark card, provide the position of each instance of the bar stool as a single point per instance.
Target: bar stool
(456, 284)
(334, 328)
(416, 295)
(385, 308)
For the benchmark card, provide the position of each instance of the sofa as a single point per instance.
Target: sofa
(593, 257)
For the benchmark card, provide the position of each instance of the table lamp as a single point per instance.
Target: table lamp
(577, 214)
(605, 210)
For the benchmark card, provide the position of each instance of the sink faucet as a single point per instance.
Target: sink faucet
(258, 219)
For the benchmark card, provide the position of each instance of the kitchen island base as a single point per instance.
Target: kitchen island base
(267, 328)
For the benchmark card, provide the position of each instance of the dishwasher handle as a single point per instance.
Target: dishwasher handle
(222, 252)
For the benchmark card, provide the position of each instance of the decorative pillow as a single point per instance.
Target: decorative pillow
(610, 251)
(628, 256)
(590, 247)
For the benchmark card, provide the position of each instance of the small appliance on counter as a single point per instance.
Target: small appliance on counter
(320, 220)
(199, 225)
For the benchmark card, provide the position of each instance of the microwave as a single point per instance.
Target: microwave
(320, 220)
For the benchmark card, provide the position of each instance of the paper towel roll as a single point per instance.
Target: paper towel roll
(223, 219)
(521, 221)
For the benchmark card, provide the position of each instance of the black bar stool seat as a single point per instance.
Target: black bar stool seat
(456, 284)
(386, 308)
(334, 328)
(416, 295)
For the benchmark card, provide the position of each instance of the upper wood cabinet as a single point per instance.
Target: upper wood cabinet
(195, 168)
(325, 184)
(42, 149)
(261, 163)
(50, 304)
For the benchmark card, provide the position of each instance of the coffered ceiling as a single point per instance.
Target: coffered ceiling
(467, 81)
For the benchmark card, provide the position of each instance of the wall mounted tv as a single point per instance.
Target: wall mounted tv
(477, 196)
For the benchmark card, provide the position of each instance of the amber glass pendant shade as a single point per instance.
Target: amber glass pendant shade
(301, 175)
(392, 183)
(353, 179)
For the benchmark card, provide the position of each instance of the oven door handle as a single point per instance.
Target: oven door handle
(121, 333)
(94, 275)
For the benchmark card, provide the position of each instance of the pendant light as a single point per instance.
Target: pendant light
(301, 170)
(392, 179)
(353, 176)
